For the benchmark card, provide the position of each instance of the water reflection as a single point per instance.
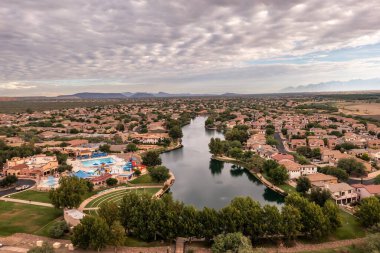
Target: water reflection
(201, 181)
(216, 167)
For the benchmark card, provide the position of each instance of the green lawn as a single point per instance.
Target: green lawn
(134, 242)
(117, 196)
(144, 179)
(32, 195)
(350, 228)
(24, 218)
(287, 188)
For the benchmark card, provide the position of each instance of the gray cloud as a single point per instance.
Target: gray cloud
(172, 43)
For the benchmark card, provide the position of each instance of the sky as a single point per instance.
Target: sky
(50, 47)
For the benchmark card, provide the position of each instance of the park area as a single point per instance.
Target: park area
(116, 197)
(32, 195)
(24, 218)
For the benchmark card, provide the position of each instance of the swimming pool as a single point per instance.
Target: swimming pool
(98, 162)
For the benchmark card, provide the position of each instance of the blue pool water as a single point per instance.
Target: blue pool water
(97, 162)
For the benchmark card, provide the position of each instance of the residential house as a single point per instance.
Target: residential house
(342, 193)
(365, 191)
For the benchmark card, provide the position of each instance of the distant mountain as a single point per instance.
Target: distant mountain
(125, 95)
(93, 95)
(352, 85)
(142, 95)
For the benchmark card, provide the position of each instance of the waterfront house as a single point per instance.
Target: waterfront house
(296, 170)
(342, 193)
(320, 179)
(366, 191)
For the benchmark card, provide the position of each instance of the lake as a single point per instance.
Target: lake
(201, 181)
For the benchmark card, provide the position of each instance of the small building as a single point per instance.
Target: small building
(100, 180)
(73, 216)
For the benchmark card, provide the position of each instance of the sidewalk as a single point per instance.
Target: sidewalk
(26, 202)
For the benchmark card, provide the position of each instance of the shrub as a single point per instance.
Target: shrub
(58, 229)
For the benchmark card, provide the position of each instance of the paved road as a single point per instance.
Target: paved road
(280, 145)
(19, 182)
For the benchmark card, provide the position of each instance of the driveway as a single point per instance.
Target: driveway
(280, 145)
(29, 182)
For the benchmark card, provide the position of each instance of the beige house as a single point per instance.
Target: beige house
(342, 193)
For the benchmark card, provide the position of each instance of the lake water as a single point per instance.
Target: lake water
(201, 181)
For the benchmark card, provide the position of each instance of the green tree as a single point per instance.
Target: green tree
(377, 180)
(176, 132)
(209, 222)
(159, 173)
(58, 229)
(279, 175)
(111, 181)
(331, 210)
(117, 235)
(303, 184)
(151, 158)
(109, 211)
(352, 166)
(271, 220)
(232, 242)
(105, 148)
(92, 232)
(216, 146)
(315, 223)
(235, 152)
(269, 165)
(319, 196)
(334, 171)
(291, 224)
(70, 192)
(369, 211)
(131, 147)
(236, 134)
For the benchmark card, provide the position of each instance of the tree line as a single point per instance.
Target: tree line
(150, 219)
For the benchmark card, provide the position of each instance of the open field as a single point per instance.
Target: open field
(23, 218)
(360, 109)
(116, 197)
(32, 195)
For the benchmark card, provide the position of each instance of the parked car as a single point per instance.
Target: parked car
(22, 187)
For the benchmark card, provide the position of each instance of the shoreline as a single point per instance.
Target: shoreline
(258, 175)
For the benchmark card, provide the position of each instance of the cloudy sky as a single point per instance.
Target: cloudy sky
(51, 47)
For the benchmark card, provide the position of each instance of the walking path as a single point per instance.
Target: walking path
(269, 184)
(26, 202)
(168, 183)
(180, 245)
(317, 247)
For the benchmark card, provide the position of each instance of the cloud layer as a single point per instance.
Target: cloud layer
(197, 45)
